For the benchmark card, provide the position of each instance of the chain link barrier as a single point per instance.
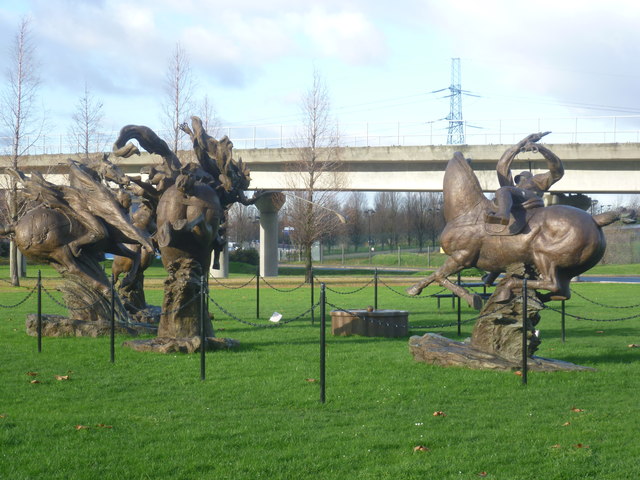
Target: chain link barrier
(405, 295)
(577, 294)
(76, 309)
(260, 325)
(282, 290)
(229, 286)
(21, 301)
(587, 319)
(350, 292)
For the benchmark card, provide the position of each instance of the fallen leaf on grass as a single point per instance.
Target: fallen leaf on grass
(483, 474)
(32, 374)
(581, 445)
(575, 409)
(81, 427)
(61, 377)
(2, 415)
(566, 424)
(599, 331)
(102, 425)
(518, 372)
(439, 413)
(420, 448)
(633, 345)
(310, 380)
(34, 381)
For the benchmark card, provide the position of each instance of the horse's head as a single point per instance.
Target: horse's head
(109, 171)
(462, 191)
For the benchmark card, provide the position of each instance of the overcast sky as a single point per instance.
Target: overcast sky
(380, 60)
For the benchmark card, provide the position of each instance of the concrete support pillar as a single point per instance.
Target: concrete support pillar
(268, 205)
(224, 264)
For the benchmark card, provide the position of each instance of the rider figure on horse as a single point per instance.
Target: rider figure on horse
(528, 189)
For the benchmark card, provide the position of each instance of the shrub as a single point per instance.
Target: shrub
(249, 255)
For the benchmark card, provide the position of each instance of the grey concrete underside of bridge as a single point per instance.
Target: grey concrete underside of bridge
(589, 168)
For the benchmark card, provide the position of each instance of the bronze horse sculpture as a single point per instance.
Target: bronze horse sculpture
(71, 226)
(555, 243)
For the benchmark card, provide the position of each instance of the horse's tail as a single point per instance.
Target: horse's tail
(607, 218)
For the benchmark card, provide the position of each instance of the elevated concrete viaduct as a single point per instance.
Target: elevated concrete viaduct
(589, 168)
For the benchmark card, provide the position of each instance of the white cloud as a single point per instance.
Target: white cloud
(348, 35)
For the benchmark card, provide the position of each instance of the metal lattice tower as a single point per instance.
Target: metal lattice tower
(456, 126)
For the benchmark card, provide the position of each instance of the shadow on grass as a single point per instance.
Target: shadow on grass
(621, 357)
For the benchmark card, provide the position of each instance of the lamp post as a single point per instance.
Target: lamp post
(369, 212)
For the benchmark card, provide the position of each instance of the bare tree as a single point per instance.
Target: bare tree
(356, 218)
(242, 224)
(87, 121)
(209, 116)
(179, 88)
(424, 218)
(386, 223)
(18, 115)
(314, 174)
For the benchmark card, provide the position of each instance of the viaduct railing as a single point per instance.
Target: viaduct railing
(588, 129)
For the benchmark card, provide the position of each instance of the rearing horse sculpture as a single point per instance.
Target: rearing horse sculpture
(559, 241)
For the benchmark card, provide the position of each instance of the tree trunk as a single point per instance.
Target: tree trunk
(14, 270)
(308, 264)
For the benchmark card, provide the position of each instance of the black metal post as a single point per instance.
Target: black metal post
(525, 314)
(375, 289)
(112, 334)
(258, 293)
(203, 337)
(459, 319)
(313, 299)
(323, 341)
(459, 311)
(563, 325)
(39, 324)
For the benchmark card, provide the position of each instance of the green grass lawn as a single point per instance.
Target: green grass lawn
(258, 415)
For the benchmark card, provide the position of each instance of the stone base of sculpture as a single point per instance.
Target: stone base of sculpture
(180, 345)
(60, 326)
(496, 342)
(438, 350)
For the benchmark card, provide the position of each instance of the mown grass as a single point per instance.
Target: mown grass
(258, 415)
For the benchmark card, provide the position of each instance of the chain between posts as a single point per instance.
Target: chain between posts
(602, 304)
(21, 301)
(232, 287)
(578, 317)
(258, 325)
(349, 292)
(282, 290)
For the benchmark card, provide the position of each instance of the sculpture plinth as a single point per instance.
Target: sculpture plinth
(496, 342)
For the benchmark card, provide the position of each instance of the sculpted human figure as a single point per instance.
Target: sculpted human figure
(527, 190)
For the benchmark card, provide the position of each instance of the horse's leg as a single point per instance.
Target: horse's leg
(449, 267)
(548, 279)
(121, 250)
(218, 245)
(120, 265)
